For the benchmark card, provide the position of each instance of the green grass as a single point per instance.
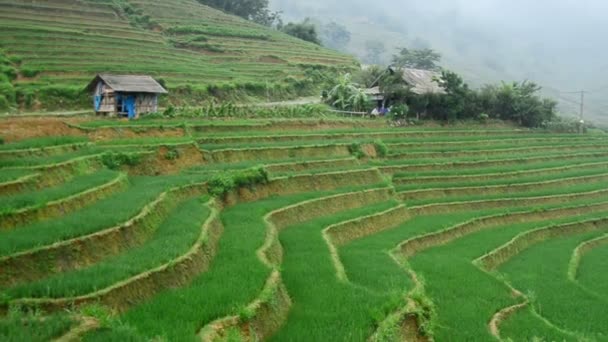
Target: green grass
(347, 311)
(49, 160)
(557, 299)
(562, 190)
(592, 270)
(467, 297)
(235, 278)
(18, 327)
(122, 206)
(42, 142)
(509, 181)
(475, 145)
(498, 170)
(173, 238)
(324, 308)
(32, 199)
(508, 160)
(527, 325)
(13, 175)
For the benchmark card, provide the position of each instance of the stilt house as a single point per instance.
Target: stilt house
(125, 95)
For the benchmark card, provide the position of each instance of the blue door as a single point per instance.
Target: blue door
(130, 106)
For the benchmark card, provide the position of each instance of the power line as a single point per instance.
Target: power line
(569, 100)
(599, 89)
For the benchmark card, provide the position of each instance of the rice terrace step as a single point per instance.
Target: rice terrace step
(221, 236)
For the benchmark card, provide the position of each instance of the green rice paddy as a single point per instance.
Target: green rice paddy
(278, 273)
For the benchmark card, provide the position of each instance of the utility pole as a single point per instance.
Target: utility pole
(581, 124)
(582, 106)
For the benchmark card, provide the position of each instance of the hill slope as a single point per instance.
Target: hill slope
(55, 47)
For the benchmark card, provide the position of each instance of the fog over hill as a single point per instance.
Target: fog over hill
(559, 44)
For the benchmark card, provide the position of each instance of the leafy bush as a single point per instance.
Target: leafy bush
(8, 92)
(223, 183)
(116, 160)
(305, 30)
(172, 153)
(169, 112)
(381, 148)
(29, 71)
(9, 71)
(5, 105)
(483, 117)
(356, 150)
(400, 111)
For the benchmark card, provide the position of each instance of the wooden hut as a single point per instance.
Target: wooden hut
(420, 81)
(125, 95)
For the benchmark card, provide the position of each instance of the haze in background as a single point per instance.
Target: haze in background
(560, 44)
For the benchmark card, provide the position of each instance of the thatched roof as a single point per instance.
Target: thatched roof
(374, 93)
(421, 81)
(128, 84)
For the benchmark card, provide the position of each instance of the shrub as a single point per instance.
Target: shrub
(116, 160)
(172, 154)
(399, 112)
(223, 183)
(356, 150)
(483, 117)
(9, 71)
(29, 71)
(381, 148)
(169, 112)
(8, 91)
(5, 105)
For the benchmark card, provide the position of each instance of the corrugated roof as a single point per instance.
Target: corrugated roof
(422, 81)
(129, 83)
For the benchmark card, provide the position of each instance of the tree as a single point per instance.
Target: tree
(254, 10)
(341, 94)
(268, 18)
(520, 102)
(305, 30)
(368, 76)
(374, 49)
(359, 101)
(457, 96)
(425, 59)
(335, 36)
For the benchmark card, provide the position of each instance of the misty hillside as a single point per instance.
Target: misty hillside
(560, 46)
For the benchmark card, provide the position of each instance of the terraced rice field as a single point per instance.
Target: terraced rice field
(56, 47)
(302, 231)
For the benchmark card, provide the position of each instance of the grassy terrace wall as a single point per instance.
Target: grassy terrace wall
(297, 229)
